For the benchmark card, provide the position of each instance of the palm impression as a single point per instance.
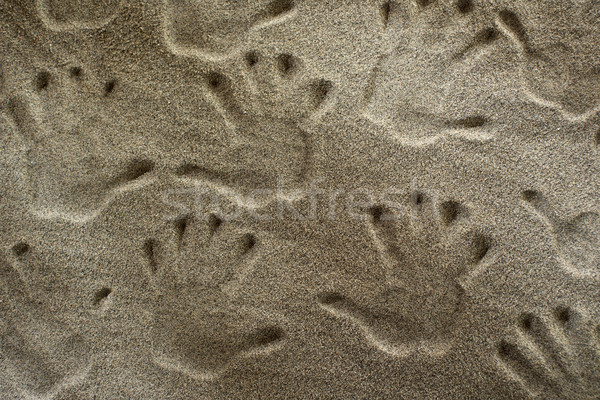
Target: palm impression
(428, 86)
(198, 329)
(429, 253)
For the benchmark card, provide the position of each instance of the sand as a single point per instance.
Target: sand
(299, 199)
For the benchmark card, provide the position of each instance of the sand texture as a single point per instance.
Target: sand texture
(299, 199)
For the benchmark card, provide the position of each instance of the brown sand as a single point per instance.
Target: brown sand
(296, 199)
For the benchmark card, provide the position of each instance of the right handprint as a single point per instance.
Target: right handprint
(198, 328)
(556, 356)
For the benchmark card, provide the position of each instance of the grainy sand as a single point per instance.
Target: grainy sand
(299, 199)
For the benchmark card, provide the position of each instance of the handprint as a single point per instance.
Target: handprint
(213, 30)
(555, 356)
(557, 45)
(416, 91)
(66, 109)
(198, 329)
(429, 254)
(266, 144)
(577, 239)
(39, 355)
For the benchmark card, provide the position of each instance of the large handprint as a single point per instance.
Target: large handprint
(429, 83)
(67, 108)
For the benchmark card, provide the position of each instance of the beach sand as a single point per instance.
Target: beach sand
(299, 199)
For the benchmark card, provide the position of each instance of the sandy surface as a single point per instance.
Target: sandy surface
(299, 199)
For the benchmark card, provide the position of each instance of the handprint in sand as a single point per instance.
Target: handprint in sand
(62, 133)
(554, 356)
(577, 239)
(433, 81)
(263, 112)
(429, 254)
(215, 29)
(198, 329)
(39, 355)
(557, 43)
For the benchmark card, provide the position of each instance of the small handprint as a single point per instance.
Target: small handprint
(555, 356)
(429, 254)
(198, 330)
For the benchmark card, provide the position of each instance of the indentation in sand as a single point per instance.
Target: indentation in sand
(70, 15)
(429, 255)
(464, 6)
(102, 297)
(280, 98)
(553, 356)
(195, 274)
(56, 114)
(408, 92)
(40, 355)
(562, 74)
(385, 11)
(577, 239)
(213, 30)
